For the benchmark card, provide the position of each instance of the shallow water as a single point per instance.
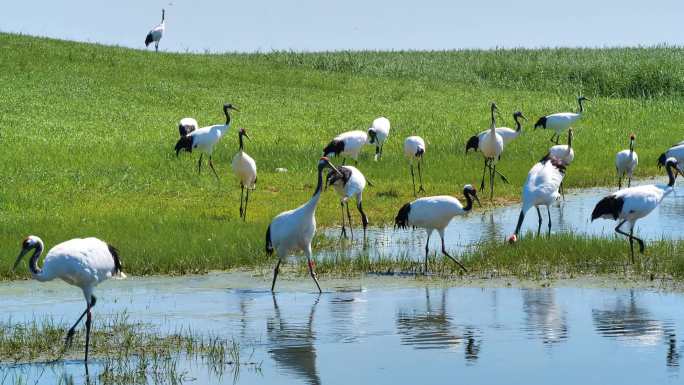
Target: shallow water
(369, 332)
(572, 215)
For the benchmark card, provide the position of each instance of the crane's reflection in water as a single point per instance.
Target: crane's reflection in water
(631, 324)
(292, 343)
(544, 317)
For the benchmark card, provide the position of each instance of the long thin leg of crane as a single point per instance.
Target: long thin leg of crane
(629, 181)
(311, 268)
(420, 177)
(540, 221)
(344, 231)
(441, 234)
(199, 164)
(484, 170)
(641, 242)
(502, 176)
(242, 193)
(492, 170)
(88, 323)
(244, 216)
(631, 244)
(72, 330)
(364, 218)
(275, 275)
(413, 179)
(427, 243)
(548, 211)
(213, 169)
(351, 229)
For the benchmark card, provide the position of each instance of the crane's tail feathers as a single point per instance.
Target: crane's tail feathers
(541, 122)
(401, 220)
(117, 272)
(148, 39)
(473, 143)
(269, 244)
(661, 160)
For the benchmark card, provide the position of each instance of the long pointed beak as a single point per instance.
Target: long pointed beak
(334, 168)
(19, 257)
(234, 108)
(523, 116)
(477, 199)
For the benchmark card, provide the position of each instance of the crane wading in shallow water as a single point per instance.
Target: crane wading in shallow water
(435, 213)
(245, 169)
(205, 138)
(155, 34)
(561, 121)
(540, 189)
(625, 163)
(414, 150)
(349, 182)
(79, 262)
(491, 147)
(633, 203)
(293, 230)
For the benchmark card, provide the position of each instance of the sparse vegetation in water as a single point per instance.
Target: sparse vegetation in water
(121, 352)
(557, 256)
(88, 134)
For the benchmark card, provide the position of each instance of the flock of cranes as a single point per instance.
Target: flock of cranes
(87, 262)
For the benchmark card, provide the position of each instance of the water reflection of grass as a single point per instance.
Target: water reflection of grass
(561, 255)
(121, 352)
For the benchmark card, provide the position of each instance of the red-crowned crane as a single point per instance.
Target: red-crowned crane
(414, 150)
(633, 203)
(564, 154)
(155, 34)
(491, 145)
(245, 169)
(507, 134)
(561, 121)
(540, 189)
(348, 183)
(205, 138)
(79, 262)
(435, 213)
(378, 133)
(186, 126)
(293, 230)
(625, 163)
(347, 144)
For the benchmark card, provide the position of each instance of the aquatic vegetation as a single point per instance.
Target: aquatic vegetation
(122, 352)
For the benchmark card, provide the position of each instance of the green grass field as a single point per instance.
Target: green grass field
(88, 133)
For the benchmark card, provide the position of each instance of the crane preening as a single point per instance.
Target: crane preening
(349, 182)
(378, 133)
(79, 262)
(633, 203)
(540, 189)
(293, 230)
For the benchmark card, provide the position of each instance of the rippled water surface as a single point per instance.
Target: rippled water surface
(370, 332)
(571, 215)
